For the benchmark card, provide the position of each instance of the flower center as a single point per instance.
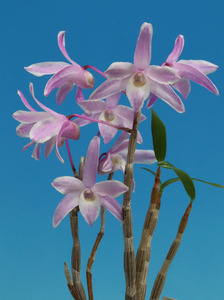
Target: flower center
(108, 115)
(89, 195)
(139, 79)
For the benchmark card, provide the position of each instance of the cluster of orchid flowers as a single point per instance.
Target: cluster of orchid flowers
(139, 81)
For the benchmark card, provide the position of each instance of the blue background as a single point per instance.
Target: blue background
(98, 33)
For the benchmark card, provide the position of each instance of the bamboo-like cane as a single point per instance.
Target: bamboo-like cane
(129, 255)
(93, 252)
(75, 287)
(144, 249)
(161, 277)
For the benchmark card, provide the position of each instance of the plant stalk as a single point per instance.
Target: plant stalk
(129, 255)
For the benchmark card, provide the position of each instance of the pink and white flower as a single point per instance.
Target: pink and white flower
(116, 158)
(195, 70)
(111, 112)
(86, 193)
(139, 78)
(65, 75)
(45, 126)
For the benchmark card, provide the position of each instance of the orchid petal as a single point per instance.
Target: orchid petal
(183, 86)
(48, 110)
(105, 164)
(28, 145)
(178, 48)
(189, 72)
(69, 202)
(126, 114)
(165, 92)
(46, 68)
(121, 143)
(68, 184)
(112, 101)
(30, 116)
(79, 94)
(25, 102)
(63, 91)
(152, 99)
(90, 209)
(92, 106)
(49, 146)
(91, 163)
(23, 130)
(70, 130)
(165, 75)
(44, 130)
(120, 70)
(141, 156)
(112, 206)
(137, 94)
(110, 188)
(36, 152)
(109, 88)
(203, 66)
(107, 132)
(142, 55)
(61, 45)
(71, 75)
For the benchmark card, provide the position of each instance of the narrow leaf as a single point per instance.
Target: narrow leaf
(184, 177)
(150, 171)
(210, 183)
(158, 137)
(173, 180)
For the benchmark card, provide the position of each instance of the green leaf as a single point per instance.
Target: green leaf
(168, 182)
(158, 137)
(150, 171)
(210, 183)
(173, 180)
(183, 176)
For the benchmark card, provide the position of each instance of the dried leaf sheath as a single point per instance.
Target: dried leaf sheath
(144, 250)
(161, 277)
(129, 255)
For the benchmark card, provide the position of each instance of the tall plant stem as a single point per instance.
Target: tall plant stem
(75, 285)
(129, 255)
(161, 277)
(144, 249)
(93, 252)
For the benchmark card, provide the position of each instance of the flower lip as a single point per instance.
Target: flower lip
(109, 115)
(89, 195)
(139, 79)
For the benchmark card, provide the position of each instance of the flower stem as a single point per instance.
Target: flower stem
(93, 252)
(161, 277)
(71, 160)
(129, 255)
(99, 121)
(95, 69)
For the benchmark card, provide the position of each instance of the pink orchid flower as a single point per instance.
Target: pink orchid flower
(139, 79)
(86, 193)
(47, 126)
(65, 75)
(109, 111)
(116, 158)
(195, 70)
